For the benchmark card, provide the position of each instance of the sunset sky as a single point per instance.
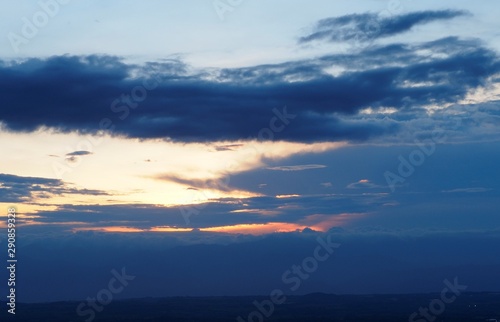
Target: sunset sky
(205, 146)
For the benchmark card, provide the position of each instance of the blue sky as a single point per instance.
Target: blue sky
(215, 137)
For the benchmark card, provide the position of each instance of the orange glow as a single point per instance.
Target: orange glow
(168, 229)
(256, 229)
(317, 222)
(115, 229)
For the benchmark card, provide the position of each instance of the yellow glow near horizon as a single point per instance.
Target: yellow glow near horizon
(256, 229)
(24, 210)
(113, 229)
(167, 229)
(317, 222)
(131, 170)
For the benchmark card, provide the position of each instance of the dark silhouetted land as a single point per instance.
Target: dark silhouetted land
(313, 307)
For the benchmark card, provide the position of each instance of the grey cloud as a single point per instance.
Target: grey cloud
(29, 189)
(92, 93)
(297, 167)
(78, 153)
(370, 26)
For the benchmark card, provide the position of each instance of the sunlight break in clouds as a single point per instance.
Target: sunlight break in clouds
(137, 171)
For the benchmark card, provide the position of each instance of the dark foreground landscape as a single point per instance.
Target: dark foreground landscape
(313, 307)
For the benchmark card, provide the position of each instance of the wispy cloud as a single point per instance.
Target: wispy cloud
(197, 184)
(73, 156)
(227, 147)
(370, 26)
(297, 167)
(30, 189)
(78, 153)
(468, 190)
(233, 104)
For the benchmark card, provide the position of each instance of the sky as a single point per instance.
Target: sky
(208, 146)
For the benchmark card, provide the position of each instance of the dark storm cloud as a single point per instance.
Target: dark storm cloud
(370, 26)
(28, 189)
(296, 101)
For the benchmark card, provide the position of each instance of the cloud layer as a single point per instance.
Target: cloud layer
(371, 26)
(25, 189)
(294, 101)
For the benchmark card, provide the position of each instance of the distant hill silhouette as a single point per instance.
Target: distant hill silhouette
(322, 307)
